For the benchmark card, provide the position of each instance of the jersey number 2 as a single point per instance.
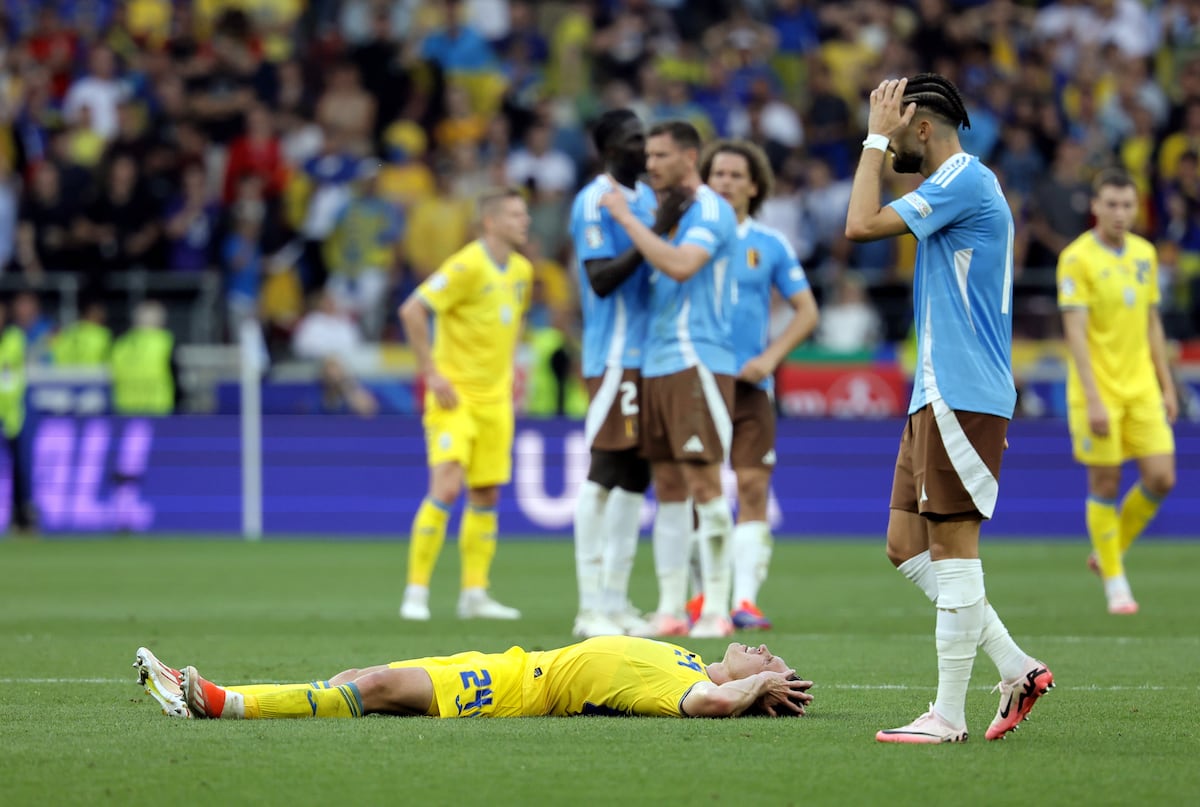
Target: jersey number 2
(629, 405)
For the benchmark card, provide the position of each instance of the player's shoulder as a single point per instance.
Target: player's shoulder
(468, 259)
(769, 236)
(959, 170)
(519, 264)
(1140, 248)
(1081, 249)
(710, 207)
(587, 202)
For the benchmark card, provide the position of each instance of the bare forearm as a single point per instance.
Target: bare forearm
(606, 276)
(865, 196)
(804, 322)
(662, 255)
(1075, 328)
(416, 328)
(1158, 354)
(740, 695)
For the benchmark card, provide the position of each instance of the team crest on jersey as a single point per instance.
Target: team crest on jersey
(752, 258)
(593, 237)
(1143, 270)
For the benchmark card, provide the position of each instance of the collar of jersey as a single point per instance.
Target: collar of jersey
(743, 229)
(1118, 252)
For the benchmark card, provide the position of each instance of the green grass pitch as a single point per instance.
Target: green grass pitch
(1122, 726)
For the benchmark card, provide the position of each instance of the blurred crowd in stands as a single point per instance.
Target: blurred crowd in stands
(322, 156)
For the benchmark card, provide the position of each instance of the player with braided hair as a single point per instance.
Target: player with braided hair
(948, 467)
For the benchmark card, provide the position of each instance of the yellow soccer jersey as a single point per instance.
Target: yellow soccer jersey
(1118, 290)
(617, 675)
(479, 308)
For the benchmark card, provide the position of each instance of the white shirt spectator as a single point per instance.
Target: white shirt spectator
(786, 214)
(551, 171)
(100, 96)
(322, 334)
(848, 327)
(779, 123)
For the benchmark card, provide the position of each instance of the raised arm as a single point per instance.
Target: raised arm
(734, 698)
(866, 218)
(676, 262)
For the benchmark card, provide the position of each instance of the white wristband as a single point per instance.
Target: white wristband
(876, 141)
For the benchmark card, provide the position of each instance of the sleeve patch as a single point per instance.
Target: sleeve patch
(437, 282)
(593, 237)
(1068, 287)
(919, 204)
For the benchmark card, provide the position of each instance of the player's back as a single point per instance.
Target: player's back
(475, 335)
(691, 321)
(617, 675)
(1117, 289)
(614, 327)
(762, 260)
(962, 289)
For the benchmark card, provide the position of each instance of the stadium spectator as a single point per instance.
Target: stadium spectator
(849, 323)
(257, 152)
(326, 331)
(192, 224)
(8, 213)
(22, 518)
(119, 229)
(145, 377)
(610, 675)
(1059, 207)
(87, 342)
(99, 92)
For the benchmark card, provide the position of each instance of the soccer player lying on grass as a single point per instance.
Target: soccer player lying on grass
(607, 675)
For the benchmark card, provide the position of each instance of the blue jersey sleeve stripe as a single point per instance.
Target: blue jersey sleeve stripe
(946, 168)
(591, 202)
(953, 175)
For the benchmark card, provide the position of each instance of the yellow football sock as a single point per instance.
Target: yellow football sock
(428, 534)
(342, 701)
(1103, 525)
(477, 545)
(1137, 510)
(260, 689)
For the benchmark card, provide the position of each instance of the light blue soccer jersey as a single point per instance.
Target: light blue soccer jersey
(762, 259)
(962, 289)
(691, 322)
(614, 327)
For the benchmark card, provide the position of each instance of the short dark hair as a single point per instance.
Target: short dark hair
(937, 94)
(492, 196)
(760, 167)
(608, 124)
(683, 133)
(1112, 178)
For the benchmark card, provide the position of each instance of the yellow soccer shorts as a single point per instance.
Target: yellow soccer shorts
(478, 436)
(475, 684)
(1136, 429)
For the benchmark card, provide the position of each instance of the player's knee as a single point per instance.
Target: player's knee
(752, 500)
(344, 677)
(1105, 485)
(487, 497)
(1159, 483)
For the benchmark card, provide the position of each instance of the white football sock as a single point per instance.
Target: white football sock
(589, 544)
(622, 523)
(994, 640)
(960, 618)
(751, 559)
(672, 539)
(716, 555)
(919, 569)
(1009, 659)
